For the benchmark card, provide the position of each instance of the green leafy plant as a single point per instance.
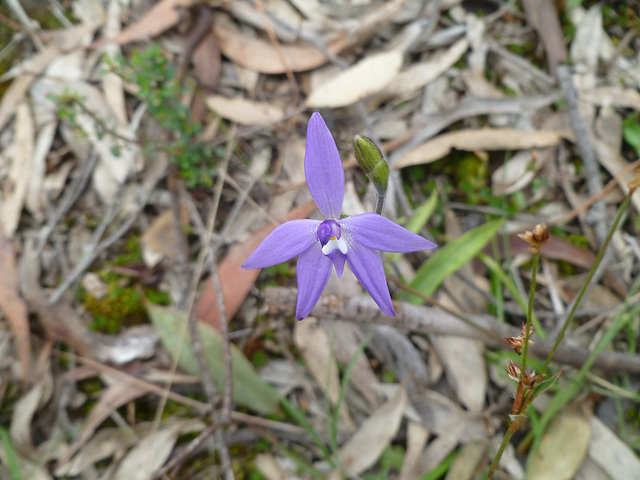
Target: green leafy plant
(159, 86)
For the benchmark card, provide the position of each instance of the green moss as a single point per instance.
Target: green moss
(122, 305)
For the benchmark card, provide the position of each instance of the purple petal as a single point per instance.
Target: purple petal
(380, 233)
(313, 272)
(366, 265)
(283, 243)
(338, 258)
(323, 168)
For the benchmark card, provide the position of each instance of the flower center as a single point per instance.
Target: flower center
(330, 237)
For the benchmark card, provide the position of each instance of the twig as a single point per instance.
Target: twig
(276, 44)
(92, 253)
(71, 194)
(211, 392)
(182, 257)
(422, 319)
(189, 450)
(567, 217)
(594, 181)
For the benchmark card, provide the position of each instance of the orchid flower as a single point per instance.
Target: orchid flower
(334, 241)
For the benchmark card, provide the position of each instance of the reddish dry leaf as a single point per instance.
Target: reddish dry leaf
(235, 281)
(12, 304)
(159, 18)
(558, 249)
(207, 65)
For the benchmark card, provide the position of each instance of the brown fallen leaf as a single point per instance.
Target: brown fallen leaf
(160, 17)
(13, 306)
(264, 57)
(235, 281)
(558, 249)
(260, 55)
(160, 239)
(480, 139)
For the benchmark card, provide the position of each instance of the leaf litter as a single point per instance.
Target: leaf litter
(482, 140)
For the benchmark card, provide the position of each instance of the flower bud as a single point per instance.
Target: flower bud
(536, 238)
(373, 163)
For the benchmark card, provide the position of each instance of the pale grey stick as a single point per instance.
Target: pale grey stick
(429, 320)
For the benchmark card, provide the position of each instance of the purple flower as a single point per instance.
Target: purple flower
(332, 242)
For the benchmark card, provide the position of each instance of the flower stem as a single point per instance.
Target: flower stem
(532, 291)
(513, 426)
(379, 204)
(525, 399)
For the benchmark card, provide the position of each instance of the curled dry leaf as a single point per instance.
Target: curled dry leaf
(17, 90)
(420, 74)
(417, 436)
(368, 442)
(314, 344)
(153, 450)
(481, 139)
(465, 368)
(517, 172)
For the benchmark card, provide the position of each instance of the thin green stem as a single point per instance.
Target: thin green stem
(513, 427)
(585, 285)
(532, 292)
(526, 399)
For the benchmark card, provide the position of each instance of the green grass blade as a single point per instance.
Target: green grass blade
(450, 258)
(10, 454)
(419, 219)
(333, 427)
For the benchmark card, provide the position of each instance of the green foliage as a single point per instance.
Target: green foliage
(391, 459)
(631, 131)
(123, 303)
(451, 257)
(160, 88)
(249, 389)
(12, 461)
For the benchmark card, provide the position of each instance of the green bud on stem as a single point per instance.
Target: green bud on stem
(373, 163)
